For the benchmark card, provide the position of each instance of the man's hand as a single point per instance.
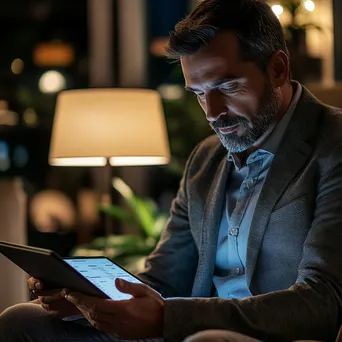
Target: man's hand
(52, 301)
(140, 317)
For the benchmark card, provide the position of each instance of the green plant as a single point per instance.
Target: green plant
(295, 30)
(128, 250)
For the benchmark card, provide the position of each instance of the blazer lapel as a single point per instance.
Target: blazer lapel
(293, 152)
(284, 168)
(209, 231)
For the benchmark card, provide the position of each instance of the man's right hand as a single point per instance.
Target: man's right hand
(52, 301)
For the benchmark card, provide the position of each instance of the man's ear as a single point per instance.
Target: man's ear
(279, 68)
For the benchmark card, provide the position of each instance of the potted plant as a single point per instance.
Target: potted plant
(128, 250)
(295, 34)
(295, 31)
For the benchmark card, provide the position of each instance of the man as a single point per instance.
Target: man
(251, 247)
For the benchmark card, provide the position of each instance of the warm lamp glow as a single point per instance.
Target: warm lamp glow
(124, 126)
(53, 54)
(309, 5)
(122, 161)
(17, 66)
(52, 82)
(278, 10)
(100, 161)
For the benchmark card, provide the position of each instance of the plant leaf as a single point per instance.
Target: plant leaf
(144, 211)
(117, 212)
(145, 215)
(114, 241)
(125, 191)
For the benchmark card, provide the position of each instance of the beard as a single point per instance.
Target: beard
(255, 128)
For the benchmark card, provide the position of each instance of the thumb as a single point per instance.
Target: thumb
(136, 290)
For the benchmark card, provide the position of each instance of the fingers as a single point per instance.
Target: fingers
(79, 299)
(87, 304)
(57, 306)
(60, 308)
(48, 297)
(134, 289)
(84, 303)
(100, 313)
(34, 284)
(61, 312)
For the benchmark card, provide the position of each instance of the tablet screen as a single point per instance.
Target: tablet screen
(102, 273)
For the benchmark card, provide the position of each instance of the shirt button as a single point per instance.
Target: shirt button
(249, 184)
(236, 271)
(234, 232)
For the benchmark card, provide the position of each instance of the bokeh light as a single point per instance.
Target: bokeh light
(309, 5)
(171, 92)
(278, 10)
(30, 117)
(52, 82)
(17, 66)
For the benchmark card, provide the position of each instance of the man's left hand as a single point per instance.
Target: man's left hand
(140, 317)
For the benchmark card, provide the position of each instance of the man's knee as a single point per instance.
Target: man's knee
(21, 312)
(16, 320)
(219, 336)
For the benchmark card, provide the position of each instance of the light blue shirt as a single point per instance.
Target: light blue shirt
(244, 185)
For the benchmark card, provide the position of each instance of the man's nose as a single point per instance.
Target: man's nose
(215, 107)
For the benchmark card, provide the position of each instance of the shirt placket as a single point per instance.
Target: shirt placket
(247, 187)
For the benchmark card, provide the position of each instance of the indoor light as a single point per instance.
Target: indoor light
(109, 127)
(17, 66)
(278, 10)
(123, 127)
(52, 82)
(309, 5)
(171, 92)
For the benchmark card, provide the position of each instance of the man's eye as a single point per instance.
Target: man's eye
(230, 89)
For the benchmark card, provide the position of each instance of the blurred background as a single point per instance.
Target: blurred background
(54, 45)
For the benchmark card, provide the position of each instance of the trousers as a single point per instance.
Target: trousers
(30, 323)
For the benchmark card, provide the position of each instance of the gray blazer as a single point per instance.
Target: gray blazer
(294, 256)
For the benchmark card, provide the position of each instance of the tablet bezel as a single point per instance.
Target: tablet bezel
(12, 247)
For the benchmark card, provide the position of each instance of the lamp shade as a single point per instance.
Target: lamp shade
(124, 126)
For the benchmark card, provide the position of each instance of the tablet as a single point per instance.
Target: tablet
(94, 276)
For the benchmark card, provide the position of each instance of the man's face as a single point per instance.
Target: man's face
(237, 97)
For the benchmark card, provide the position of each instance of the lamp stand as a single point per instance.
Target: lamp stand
(107, 200)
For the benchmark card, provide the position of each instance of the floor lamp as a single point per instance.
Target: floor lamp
(109, 127)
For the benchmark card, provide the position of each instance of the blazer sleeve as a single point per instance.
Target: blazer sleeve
(310, 309)
(171, 267)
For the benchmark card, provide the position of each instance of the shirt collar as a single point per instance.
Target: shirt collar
(276, 133)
